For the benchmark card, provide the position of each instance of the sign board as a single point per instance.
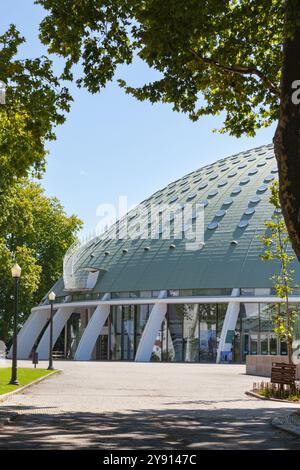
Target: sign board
(283, 374)
(229, 337)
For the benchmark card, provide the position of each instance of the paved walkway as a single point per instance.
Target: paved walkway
(134, 405)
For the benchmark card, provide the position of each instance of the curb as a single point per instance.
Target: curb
(288, 422)
(260, 397)
(25, 387)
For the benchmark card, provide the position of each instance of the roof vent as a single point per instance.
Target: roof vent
(262, 188)
(228, 201)
(236, 190)
(249, 211)
(220, 213)
(243, 223)
(172, 247)
(107, 253)
(147, 248)
(191, 196)
(213, 225)
(234, 243)
(125, 251)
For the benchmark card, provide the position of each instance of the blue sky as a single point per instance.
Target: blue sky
(113, 145)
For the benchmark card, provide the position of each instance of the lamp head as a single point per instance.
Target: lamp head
(52, 296)
(16, 271)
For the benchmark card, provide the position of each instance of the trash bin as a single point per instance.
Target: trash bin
(35, 358)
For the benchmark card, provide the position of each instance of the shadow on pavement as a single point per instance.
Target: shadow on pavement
(146, 429)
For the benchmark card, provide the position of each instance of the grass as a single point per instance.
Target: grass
(25, 376)
(286, 395)
(272, 390)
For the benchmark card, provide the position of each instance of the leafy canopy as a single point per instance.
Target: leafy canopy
(36, 232)
(35, 103)
(211, 56)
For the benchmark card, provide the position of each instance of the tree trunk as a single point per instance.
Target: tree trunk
(290, 350)
(287, 136)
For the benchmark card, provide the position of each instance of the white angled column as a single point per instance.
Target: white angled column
(59, 320)
(30, 332)
(229, 325)
(151, 330)
(92, 331)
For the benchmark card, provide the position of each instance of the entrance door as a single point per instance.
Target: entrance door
(102, 348)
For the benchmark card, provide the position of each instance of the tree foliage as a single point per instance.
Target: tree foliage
(34, 104)
(240, 58)
(278, 247)
(36, 232)
(228, 52)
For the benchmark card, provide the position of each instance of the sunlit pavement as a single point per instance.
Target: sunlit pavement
(119, 405)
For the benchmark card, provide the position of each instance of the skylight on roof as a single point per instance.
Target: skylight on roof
(220, 213)
(243, 223)
(245, 180)
(255, 199)
(249, 211)
(228, 201)
(236, 190)
(212, 193)
(213, 225)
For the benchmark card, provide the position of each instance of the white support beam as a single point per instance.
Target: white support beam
(30, 332)
(92, 331)
(173, 300)
(151, 330)
(59, 320)
(229, 325)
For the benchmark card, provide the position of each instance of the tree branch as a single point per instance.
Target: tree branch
(239, 69)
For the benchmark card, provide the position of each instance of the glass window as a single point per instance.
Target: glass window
(175, 327)
(127, 324)
(191, 333)
(207, 332)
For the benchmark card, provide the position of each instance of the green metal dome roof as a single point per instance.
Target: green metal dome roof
(235, 194)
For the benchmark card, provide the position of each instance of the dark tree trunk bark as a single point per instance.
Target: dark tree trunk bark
(287, 136)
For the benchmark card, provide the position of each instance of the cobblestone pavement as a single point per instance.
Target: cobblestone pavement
(115, 405)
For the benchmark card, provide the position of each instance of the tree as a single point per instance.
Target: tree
(34, 104)
(240, 57)
(36, 232)
(278, 247)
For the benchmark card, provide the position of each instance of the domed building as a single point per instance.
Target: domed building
(179, 278)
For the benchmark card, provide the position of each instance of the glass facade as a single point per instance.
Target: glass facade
(189, 333)
(120, 337)
(255, 331)
(67, 343)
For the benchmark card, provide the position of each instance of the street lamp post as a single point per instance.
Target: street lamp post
(16, 274)
(51, 298)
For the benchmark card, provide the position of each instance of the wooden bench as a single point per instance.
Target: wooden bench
(58, 355)
(283, 374)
